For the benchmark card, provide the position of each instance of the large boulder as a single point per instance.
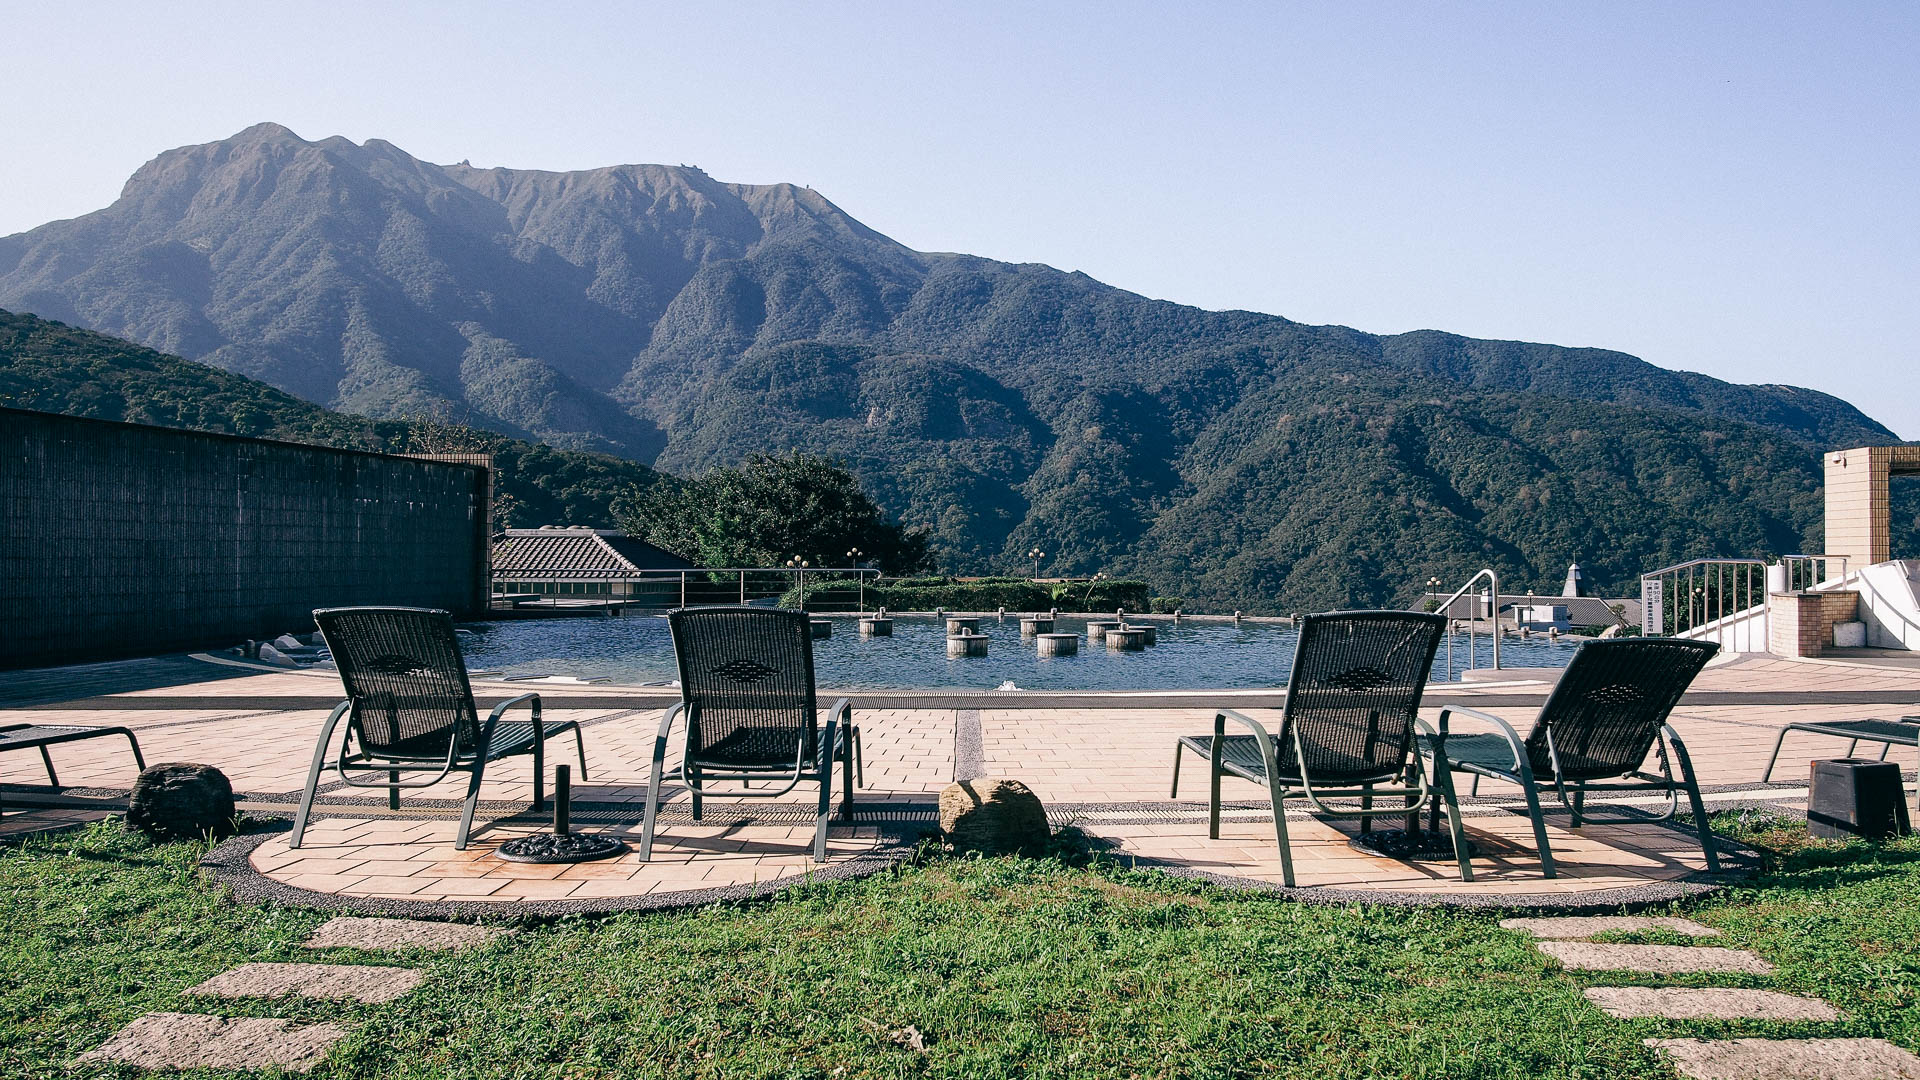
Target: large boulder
(994, 816)
(182, 801)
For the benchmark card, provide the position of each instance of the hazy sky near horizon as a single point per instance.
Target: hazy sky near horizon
(1730, 188)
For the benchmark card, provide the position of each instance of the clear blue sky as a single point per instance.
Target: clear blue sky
(1727, 188)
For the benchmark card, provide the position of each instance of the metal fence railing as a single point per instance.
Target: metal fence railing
(823, 589)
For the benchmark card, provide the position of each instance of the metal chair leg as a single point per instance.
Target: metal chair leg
(1697, 804)
(1178, 746)
(539, 773)
(653, 799)
(826, 800)
(1274, 791)
(393, 789)
(313, 774)
(580, 747)
(846, 797)
(473, 800)
(1767, 776)
(47, 760)
(1443, 780)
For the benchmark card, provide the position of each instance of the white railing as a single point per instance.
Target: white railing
(1725, 600)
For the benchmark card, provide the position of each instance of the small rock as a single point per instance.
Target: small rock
(993, 816)
(182, 801)
(271, 655)
(288, 641)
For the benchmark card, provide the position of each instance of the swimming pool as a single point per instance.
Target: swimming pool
(1190, 655)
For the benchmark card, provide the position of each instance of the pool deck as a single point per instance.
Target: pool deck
(1100, 761)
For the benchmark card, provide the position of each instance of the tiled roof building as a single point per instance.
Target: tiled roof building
(576, 561)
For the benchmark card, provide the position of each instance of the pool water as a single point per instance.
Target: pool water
(1190, 656)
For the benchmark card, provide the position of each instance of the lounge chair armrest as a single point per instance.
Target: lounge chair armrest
(1505, 729)
(493, 721)
(1220, 718)
(842, 711)
(500, 709)
(666, 718)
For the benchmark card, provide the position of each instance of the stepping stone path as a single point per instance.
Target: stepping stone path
(1707, 1003)
(1655, 959)
(1713, 1059)
(355, 982)
(1577, 927)
(1789, 1059)
(188, 1040)
(353, 932)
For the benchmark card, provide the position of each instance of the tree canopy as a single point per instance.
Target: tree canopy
(772, 508)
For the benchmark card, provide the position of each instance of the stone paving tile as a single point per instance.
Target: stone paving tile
(1573, 927)
(1654, 959)
(356, 982)
(188, 1041)
(354, 932)
(1707, 1003)
(1789, 1059)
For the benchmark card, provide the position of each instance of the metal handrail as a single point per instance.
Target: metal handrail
(1493, 610)
(798, 573)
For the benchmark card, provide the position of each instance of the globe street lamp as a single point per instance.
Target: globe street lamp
(799, 567)
(1036, 555)
(1433, 588)
(853, 559)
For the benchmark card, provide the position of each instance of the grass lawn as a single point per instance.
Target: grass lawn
(1031, 968)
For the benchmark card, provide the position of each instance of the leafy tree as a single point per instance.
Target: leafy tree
(772, 508)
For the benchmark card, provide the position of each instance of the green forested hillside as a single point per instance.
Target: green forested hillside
(660, 314)
(52, 367)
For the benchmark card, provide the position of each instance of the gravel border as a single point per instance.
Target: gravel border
(227, 864)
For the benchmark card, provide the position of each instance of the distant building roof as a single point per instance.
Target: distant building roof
(563, 552)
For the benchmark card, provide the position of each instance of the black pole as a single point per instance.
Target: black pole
(562, 796)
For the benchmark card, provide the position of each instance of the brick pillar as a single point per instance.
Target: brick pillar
(1801, 623)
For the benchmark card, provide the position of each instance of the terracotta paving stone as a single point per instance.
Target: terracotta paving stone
(1789, 1059)
(188, 1041)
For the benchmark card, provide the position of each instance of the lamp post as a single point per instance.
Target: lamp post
(1433, 591)
(1036, 555)
(799, 567)
(859, 579)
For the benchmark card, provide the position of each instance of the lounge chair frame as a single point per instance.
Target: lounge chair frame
(407, 691)
(746, 678)
(41, 736)
(1574, 714)
(1387, 658)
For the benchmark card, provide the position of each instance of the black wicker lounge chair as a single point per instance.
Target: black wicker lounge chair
(1347, 730)
(409, 709)
(1888, 733)
(747, 699)
(1607, 712)
(40, 736)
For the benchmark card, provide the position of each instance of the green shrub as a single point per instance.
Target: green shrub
(1165, 605)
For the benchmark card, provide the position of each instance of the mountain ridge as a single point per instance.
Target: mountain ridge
(657, 313)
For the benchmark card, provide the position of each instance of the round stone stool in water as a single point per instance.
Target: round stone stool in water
(1058, 644)
(966, 644)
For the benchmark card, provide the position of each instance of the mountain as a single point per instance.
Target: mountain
(653, 312)
(51, 367)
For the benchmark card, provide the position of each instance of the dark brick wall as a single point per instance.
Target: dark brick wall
(127, 540)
